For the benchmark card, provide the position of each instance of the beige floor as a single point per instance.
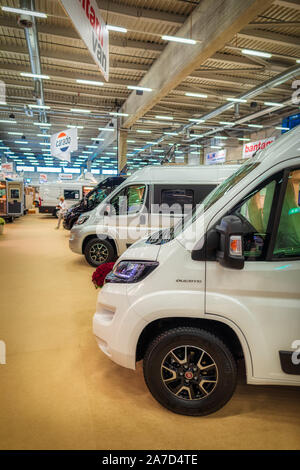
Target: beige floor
(57, 391)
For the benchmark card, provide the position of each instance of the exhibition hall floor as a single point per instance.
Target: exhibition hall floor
(58, 391)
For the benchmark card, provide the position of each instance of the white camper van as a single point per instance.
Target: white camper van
(11, 199)
(141, 205)
(73, 192)
(224, 286)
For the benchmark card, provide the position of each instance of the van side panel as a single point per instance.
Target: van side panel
(263, 300)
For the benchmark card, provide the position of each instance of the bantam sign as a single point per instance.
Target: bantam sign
(86, 18)
(250, 149)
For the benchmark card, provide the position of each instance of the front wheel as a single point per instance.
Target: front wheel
(98, 252)
(190, 371)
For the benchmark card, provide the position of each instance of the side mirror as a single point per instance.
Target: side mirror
(106, 212)
(230, 254)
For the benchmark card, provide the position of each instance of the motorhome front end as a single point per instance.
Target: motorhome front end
(222, 287)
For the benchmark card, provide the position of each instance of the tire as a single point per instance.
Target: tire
(106, 252)
(200, 347)
(55, 213)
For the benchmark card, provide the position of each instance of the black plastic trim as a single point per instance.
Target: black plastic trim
(287, 364)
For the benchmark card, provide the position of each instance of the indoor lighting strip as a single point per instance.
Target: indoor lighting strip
(21, 11)
(35, 75)
(178, 39)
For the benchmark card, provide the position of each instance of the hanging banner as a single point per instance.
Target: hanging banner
(66, 176)
(63, 143)
(43, 178)
(86, 18)
(252, 147)
(7, 167)
(216, 157)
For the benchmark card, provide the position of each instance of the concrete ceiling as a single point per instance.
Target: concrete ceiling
(214, 66)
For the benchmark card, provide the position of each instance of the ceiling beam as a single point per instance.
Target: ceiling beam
(70, 33)
(275, 23)
(69, 90)
(75, 58)
(293, 4)
(60, 57)
(270, 37)
(67, 74)
(140, 13)
(213, 24)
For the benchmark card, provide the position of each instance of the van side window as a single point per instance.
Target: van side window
(129, 200)
(135, 198)
(288, 236)
(255, 212)
(71, 194)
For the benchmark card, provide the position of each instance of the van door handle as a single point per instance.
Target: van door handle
(143, 219)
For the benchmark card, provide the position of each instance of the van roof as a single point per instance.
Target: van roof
(182, 174)
(285, 147)
(68, 183)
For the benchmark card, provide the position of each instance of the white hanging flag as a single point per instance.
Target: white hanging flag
(63, 143)
(86, 18)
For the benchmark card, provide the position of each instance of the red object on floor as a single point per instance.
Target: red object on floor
(100, 274)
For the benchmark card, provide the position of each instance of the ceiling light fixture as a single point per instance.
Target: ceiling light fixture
(118, 114)
(37, 106)
(90, 82)
(165, 118)
(116, 28)
(77, 110)
(226, 123)
(22, 11)
(236, 100)
(178, 39)
(138, 88)
(256, 53)
(271, 103)
(35, 75)
(196, 95)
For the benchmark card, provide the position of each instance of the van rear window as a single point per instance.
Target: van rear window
(177, 198)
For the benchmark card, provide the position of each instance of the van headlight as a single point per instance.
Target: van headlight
(82, 220)
(127, 272)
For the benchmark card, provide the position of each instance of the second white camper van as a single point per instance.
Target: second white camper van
(141, 205)
(73, 192)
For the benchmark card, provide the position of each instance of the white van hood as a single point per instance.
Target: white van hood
(141, 251)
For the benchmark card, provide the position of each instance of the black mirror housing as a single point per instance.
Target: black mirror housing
(206, 249)
(231, 231)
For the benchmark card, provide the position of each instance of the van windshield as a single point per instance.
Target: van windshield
(228, 184)
(101, 192)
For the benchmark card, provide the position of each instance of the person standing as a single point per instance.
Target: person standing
(62, 206)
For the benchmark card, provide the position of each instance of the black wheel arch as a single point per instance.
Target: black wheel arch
(222, 330)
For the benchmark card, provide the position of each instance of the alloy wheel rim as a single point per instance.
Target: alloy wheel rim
(99, 253)
(189, 373)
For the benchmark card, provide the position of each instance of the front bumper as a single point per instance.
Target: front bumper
(75, 241)
(117, 327)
